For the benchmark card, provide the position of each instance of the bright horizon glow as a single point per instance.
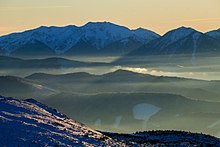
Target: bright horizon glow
(159, 16)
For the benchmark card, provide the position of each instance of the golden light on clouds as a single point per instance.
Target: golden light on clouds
(157, 15)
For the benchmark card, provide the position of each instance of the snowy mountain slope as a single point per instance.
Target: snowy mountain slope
(61, 39)
(141, 34)
(173, 36)
(56, 38)
(29, 123)
(179, 41)
(33, 48)
(215, 34)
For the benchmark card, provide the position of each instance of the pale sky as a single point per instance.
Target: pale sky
(156, 15)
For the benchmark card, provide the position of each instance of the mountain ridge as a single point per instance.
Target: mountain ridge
(106, 38)
(97, 35)
(51, 62)
(178, 41)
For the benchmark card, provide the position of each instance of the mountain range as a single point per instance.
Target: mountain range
(181, 41)
(105, 38)
(30, 123)
(92, 38)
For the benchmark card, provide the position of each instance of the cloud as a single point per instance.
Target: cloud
(142, 70)
(193, 75)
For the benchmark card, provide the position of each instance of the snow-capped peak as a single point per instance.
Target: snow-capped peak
(175, 35)
(179, 33)
(102, 34)
(142, 34)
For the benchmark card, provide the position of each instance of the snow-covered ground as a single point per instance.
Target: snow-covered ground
(29, 123)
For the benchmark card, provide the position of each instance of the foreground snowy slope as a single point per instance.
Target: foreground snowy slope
(29, 123)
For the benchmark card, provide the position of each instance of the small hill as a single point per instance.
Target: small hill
(53, 62)
(166, 138)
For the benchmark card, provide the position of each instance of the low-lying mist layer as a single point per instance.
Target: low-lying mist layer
(206, 67)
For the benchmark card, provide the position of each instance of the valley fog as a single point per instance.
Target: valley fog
(204, 68)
